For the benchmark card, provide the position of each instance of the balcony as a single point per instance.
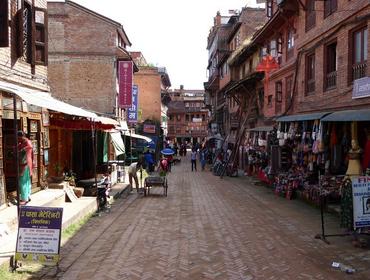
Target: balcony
(359, 70)
(331, 80)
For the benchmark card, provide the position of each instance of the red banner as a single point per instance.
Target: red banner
(125, 84)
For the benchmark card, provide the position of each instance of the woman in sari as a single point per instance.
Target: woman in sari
(25, 167)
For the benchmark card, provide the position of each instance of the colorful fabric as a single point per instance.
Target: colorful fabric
(25, 169)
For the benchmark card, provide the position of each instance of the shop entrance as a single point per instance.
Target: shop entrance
(9, 157)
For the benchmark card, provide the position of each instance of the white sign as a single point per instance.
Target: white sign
(361, 201)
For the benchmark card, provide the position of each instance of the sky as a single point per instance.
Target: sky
(169, 33)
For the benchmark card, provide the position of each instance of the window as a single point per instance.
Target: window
(269, 8)
(4, 28)
(330, 6)
(40, 37)
(261, 97)
(32, 35)
(310, 74)
(178, 117)
(330, 75)
(288, 88)
(310, 14)
(187, 118)
(273, 49)
(290, 44)
(279, 91)
(359, 53)
(269, 101)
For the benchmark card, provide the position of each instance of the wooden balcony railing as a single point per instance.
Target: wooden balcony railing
(359, 70)
(331, 80)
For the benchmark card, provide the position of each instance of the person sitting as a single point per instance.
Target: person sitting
(163, 167)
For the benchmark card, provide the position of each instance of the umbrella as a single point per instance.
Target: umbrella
(167, 152)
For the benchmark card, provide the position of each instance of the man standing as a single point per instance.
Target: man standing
(193, 159)
(25, 167)
(132, 173)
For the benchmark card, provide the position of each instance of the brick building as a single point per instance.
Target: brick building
(187, 116)
(83, 71)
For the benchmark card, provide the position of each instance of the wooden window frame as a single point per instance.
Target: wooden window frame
(310, 15)
(279, 91)
(4, 23)
(330, 7)
(310, 81)
(43, 43)
(290, 44)
(269, 8)
(330, 75)
(352, 51)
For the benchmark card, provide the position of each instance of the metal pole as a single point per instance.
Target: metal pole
(93, 134)
(130, 148)
(16, 155)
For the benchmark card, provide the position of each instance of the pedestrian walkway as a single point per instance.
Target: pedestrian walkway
(208, 228)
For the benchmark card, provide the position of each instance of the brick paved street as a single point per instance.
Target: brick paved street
(209, 228)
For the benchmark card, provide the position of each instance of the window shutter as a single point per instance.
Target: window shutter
(40, 36)
(19, 32)
(4, 26)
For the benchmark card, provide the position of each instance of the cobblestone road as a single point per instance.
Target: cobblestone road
(209, 228)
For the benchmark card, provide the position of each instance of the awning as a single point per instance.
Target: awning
(138, 136)
(119, 146)
(105, 120)
(304, 117)
(261, 128)
(45, 100)
(348, 116)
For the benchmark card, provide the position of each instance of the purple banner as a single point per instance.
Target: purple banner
(133, 110)
(125, 75)
(40, 217)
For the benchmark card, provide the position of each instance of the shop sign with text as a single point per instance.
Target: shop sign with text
(361, 88)
(125, 76)
(361, 201)
(39, 232)
(132, 112)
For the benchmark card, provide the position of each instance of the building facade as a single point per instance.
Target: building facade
(187, 116)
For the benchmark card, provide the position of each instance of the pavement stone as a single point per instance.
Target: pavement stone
(209, 228)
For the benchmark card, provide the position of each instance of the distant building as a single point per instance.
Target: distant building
(187, 115)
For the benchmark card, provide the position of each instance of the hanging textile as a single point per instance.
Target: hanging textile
(119, 146)
(267, 64)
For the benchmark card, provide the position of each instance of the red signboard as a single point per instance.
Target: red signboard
(149, 128)
(125, 84)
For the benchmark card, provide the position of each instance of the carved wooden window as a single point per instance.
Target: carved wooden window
(4, 23)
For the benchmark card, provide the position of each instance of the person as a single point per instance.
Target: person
(193, 160)
(149, 161)
(25, 167)
(203, 158)
(132, 174)
(163, 166)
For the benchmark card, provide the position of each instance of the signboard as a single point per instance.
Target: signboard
(361, 201)
(149, 128)
(132, 112)
(125, 75)
(39, 233)
(361, 88)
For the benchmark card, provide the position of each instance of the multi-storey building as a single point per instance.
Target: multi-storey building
(83, 71)
(187, 116)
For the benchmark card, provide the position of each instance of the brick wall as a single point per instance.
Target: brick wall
(149, 83)
(82, 59)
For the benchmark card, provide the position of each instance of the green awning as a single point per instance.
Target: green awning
(119, 146)
(348, 116)
(303, 117)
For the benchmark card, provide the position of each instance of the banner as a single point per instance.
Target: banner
(149, 128)
(39, 234)
(125, 75)
(132, 112)
(361, 201)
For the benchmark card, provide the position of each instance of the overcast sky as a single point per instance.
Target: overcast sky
(169, 33)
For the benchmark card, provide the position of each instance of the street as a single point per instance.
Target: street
(208, 228)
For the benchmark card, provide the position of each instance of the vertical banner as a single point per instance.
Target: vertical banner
(361, 201)
(125, 75)
(132, 112)
(39, 233)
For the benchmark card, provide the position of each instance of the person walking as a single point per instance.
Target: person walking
(132, 174)
(203, 155)
(193, 157)
(25, 167)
